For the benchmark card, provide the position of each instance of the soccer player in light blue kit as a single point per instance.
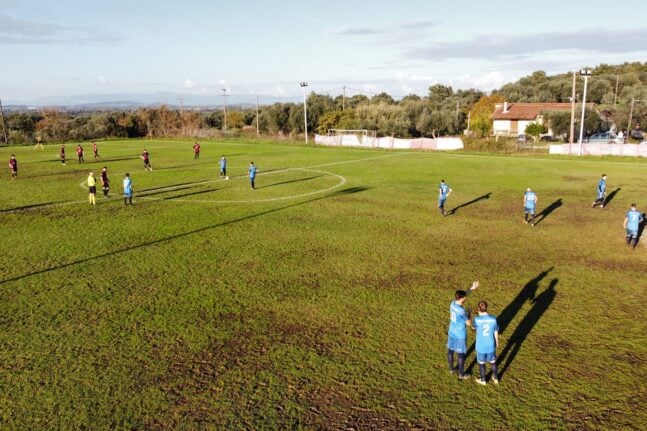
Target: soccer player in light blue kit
(632, 224)
(443, 192)
(459, 320)
(252, 174)
(529, 205)
(487, 340)
(128, 190)
(602, 192)
(223, 168)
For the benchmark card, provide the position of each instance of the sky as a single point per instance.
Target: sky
(52, 50)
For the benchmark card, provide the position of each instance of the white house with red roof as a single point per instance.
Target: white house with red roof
(513, 118)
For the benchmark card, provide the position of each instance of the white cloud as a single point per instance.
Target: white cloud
(22, 31)
(188, 83)
(488, 81)
(102, 79)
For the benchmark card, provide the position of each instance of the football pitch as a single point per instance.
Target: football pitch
(320, 299)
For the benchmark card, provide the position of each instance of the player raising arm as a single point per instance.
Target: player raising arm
(459, 320)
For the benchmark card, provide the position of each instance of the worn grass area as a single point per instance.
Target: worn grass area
(319, 300)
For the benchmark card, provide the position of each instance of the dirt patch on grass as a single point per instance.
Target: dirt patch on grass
(208, 389)
(630, 357)
(550, 342)
(332, 409)
(571, 178)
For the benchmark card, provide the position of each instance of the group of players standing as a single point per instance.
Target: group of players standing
(485, 325)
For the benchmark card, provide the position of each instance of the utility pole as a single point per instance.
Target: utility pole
(585, 73)
(615, 95)
(303, 85)
(258, 128)
(4, 129)
(224, 98)
(571, 138)
(469, 118)
(182, 115)
(343, 99)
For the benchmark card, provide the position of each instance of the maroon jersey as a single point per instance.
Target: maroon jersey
(13, 164)
(79, 150)
(145, 156)
(196, 148)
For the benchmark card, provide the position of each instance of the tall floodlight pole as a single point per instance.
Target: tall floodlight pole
(585, 73)
(305, 108)
(224, 99)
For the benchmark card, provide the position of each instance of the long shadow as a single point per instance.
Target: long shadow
(473, 201)
(527, 293)
(162, 190)
(165, 187)
(53, 174)
(28, 207)
(540, 304)
(290, 181)
(610, 196)
(641, 229)
(548, 210)
(346, 191)
(189, 194)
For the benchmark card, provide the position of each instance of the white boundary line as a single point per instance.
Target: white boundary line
(543, 159)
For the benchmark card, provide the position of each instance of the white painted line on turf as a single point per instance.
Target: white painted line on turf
(341, 182)
(543, 159)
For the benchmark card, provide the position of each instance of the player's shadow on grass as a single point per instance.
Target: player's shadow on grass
(548, 210)
(540, 304)
(152, 189)
(168, 239)
(189, 194)
(473, 201)
(641, 229)
(526, 294)
(610, 196)
(290, 181)
(167, 189)
(29, 207)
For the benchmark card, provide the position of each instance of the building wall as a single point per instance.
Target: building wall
(501, 127)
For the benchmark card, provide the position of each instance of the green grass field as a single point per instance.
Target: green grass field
(319, 300)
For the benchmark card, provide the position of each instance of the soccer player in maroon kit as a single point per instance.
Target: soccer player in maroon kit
(95, 149)
(145, 157)
(105, 183)
(79, 153)
(196, 151)
(62, 153)
(13, 165)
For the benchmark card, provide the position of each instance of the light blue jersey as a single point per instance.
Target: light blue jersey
(252, 172)
(444, 189)
(485, 327)
(223, 164)
(531, 199)
(128, 186)
(634, 218)
(457, 319)
(602, 186)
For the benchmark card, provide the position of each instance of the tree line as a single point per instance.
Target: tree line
(443, 111)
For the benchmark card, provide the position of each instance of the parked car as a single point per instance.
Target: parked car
(637, 134)
(548, 138)
(522, 138)
(603, 137)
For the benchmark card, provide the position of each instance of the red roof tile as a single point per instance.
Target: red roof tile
(527, 111)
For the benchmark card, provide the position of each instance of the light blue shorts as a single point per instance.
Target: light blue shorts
(632, 233)
(482, 358)
(458, 345)
(529, 210)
